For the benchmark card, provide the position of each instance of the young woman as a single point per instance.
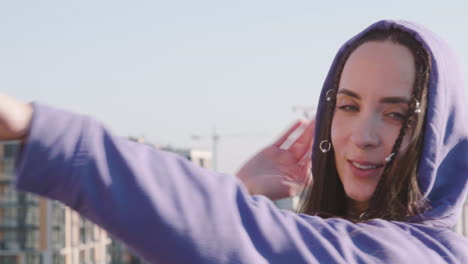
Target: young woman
(372, 129)
(389, 163)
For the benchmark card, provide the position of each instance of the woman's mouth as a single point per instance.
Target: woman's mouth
(365, 169)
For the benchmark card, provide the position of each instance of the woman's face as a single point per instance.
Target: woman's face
(372, 102)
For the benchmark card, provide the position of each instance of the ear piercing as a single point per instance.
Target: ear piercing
(325, 146)
(417, 108)
(362, 215)
(390, 157)
(327, 95)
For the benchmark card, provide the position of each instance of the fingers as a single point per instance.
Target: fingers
(15, 118)
(286, 135)
(306, 158)
(309, 179)
(303, 144)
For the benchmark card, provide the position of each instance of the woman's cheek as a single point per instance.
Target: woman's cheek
(390, 134)
(337, 130)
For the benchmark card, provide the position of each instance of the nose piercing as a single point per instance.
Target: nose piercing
(325, 146)
(417, 108)
(390, 157)
(327, 95)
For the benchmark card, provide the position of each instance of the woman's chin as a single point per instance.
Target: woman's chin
(359, 197)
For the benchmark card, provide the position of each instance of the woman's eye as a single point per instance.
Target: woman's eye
(348, 108)
(397, 116)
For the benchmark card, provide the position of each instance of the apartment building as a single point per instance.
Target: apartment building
(35, 230)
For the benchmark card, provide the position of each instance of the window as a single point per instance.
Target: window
(32, 239)
(58, 225)
(58, 213)
(8, 260)
(9, 195)
(96, 233)
(58, 237)
(32, 199)
(10, 150)
(10, 239)
(110, 252)
(2, 175)
(57, 258)
(32, 215)
(82, 259)
(92, 257)
(10, 216)
(33, 258)
(8, 168)
(89, 229)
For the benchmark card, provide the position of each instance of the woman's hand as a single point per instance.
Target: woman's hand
(15, 118)
(282, 169)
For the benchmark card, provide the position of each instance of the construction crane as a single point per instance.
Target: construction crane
(307, 111)
(214, 144)
(215, 137)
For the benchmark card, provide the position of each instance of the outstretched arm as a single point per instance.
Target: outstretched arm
(171, 211)
(164, 207)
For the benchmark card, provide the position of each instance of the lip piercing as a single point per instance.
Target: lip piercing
(325, 146)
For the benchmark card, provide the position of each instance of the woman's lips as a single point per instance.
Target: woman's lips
(364, 169)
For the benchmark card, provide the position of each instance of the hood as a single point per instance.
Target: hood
(443, 167)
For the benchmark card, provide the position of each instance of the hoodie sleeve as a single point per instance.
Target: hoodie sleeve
(171, 211)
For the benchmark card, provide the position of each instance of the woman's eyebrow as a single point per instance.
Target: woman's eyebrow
(349, 93)
(385, 100)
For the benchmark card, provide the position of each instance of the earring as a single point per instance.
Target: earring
(327, 95)
(390, 157)
(325, 146)
(361, 216)
(417, 108)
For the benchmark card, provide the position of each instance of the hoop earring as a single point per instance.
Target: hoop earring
(325, 146)
(327, 95)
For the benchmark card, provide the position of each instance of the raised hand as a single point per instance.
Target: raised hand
(282, 169)
(15, 118)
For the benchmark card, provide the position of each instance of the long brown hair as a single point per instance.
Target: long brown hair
(397, 195)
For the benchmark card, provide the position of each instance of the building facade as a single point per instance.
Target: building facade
(35, 230)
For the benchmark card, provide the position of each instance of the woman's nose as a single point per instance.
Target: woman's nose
(365, 133)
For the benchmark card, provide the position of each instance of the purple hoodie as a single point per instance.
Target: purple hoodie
(171, 211)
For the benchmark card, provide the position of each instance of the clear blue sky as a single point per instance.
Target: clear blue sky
(170, 69)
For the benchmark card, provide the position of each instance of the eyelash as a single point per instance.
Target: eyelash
(394, 115)
(346, 108)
